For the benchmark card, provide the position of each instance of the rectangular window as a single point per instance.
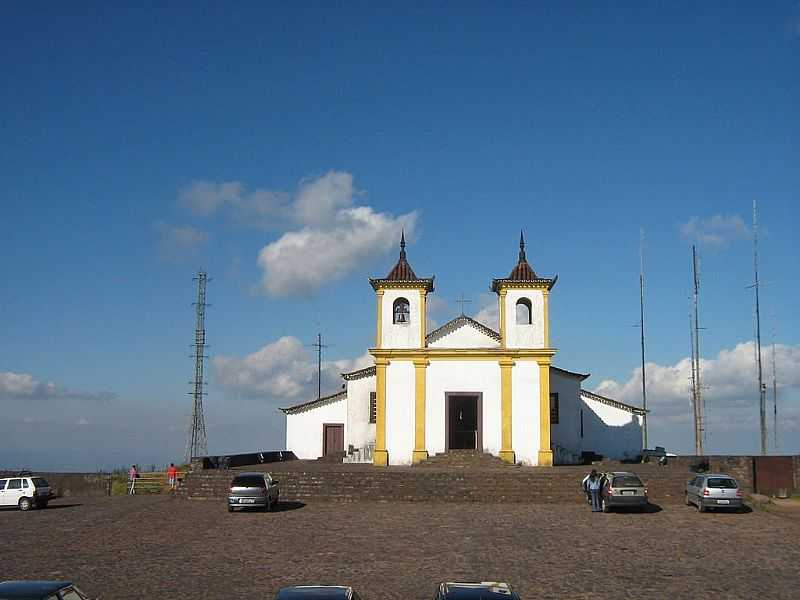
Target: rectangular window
(15, 484)
(554, 409)
(2, 484)
(373, 407)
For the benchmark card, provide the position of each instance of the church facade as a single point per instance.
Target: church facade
(463, 386)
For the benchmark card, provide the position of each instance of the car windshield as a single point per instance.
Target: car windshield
(321, 593)
(40, 482)
(725, 483)
(249, 481)
(627, 481)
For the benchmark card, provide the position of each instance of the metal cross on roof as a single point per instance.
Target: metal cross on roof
(462, 301)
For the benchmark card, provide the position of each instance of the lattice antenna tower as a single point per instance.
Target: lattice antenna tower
(197, 442)
(762, 389)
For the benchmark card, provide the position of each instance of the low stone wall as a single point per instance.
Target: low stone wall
(306, 481)
(74, 484)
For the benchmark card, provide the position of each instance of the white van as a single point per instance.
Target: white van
(24, 492)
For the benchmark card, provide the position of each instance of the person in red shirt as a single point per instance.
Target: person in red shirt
(172, 476)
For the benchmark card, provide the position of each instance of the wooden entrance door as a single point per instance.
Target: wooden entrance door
(332, 438)
(464, 422)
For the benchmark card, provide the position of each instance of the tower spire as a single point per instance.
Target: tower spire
(403, 243)
(521, 246)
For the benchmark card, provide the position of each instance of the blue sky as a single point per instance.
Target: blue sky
(140, 144)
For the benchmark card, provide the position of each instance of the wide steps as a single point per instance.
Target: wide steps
(463, 459)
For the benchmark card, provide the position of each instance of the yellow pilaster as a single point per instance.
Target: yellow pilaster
(420, 452)
(546, 314)
(380, 456)
(502, 296)
(379, 320)
(423, 317)
(506, 448)
(545, 452)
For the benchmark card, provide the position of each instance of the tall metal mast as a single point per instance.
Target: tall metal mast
(762, 391)
(774, 396)
(319, 346)
(197, 443)
(697, 382)
(641, 324)
(692, 391)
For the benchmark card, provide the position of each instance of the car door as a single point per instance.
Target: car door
(3, 492)
(13, 492)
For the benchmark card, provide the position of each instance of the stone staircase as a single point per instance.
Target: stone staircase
(463, 459)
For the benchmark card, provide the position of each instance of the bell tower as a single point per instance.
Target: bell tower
(401, 306)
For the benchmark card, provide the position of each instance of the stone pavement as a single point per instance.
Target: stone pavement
(162, 547)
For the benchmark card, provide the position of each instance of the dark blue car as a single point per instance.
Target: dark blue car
(40, 590)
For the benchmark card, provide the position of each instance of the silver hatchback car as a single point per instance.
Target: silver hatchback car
(253, 490)
(713, 490)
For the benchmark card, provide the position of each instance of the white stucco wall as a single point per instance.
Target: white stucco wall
(610, 431)
(524, 336)
(525, 398)
(304, 429)
(567, 433)
(359, 431)
(465, 336)
(400, 388)
(400, 335)
(462, 376)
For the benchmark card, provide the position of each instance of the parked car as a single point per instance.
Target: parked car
(253, 490)
(25, 491)
(478, 590)
(622, 489)
(317, 592)
(713, 490)
(40, 590)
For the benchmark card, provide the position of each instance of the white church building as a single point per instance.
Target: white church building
(463, 386)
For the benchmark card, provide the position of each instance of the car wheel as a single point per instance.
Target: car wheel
(268, 505)
(230, 508)
(688, 502)
(25, 504)
(700, 507)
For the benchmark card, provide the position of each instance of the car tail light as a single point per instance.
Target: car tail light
(610, 491)
(645, 491)
(739, 493)
(705, 492)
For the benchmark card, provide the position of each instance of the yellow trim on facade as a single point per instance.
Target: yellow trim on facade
(502, 295)
(420, 371)
(380, 456)
(546, 317)
(506, 440)
(379, 340)
(490, 354)
(423, 316)
(545, 452)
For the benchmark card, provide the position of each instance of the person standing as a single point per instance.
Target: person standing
(594, 485)
(132, 475)
(172, 476)
(585, 487)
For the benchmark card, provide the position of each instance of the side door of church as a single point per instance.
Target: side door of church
(332, 438)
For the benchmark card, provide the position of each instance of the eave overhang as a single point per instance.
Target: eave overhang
(414, 284)
(540, 283)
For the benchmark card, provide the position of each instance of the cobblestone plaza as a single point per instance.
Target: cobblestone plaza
(161, 547)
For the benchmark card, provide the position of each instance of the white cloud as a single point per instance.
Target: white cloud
(23, 386)
(718, 230)
(326, 235)
(336, 238)
(282, 370)
(729, 388)
(178, 241)
(489, 315)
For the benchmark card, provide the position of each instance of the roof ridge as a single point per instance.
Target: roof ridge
(612, 402)
(457, 322)
(313, 403)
